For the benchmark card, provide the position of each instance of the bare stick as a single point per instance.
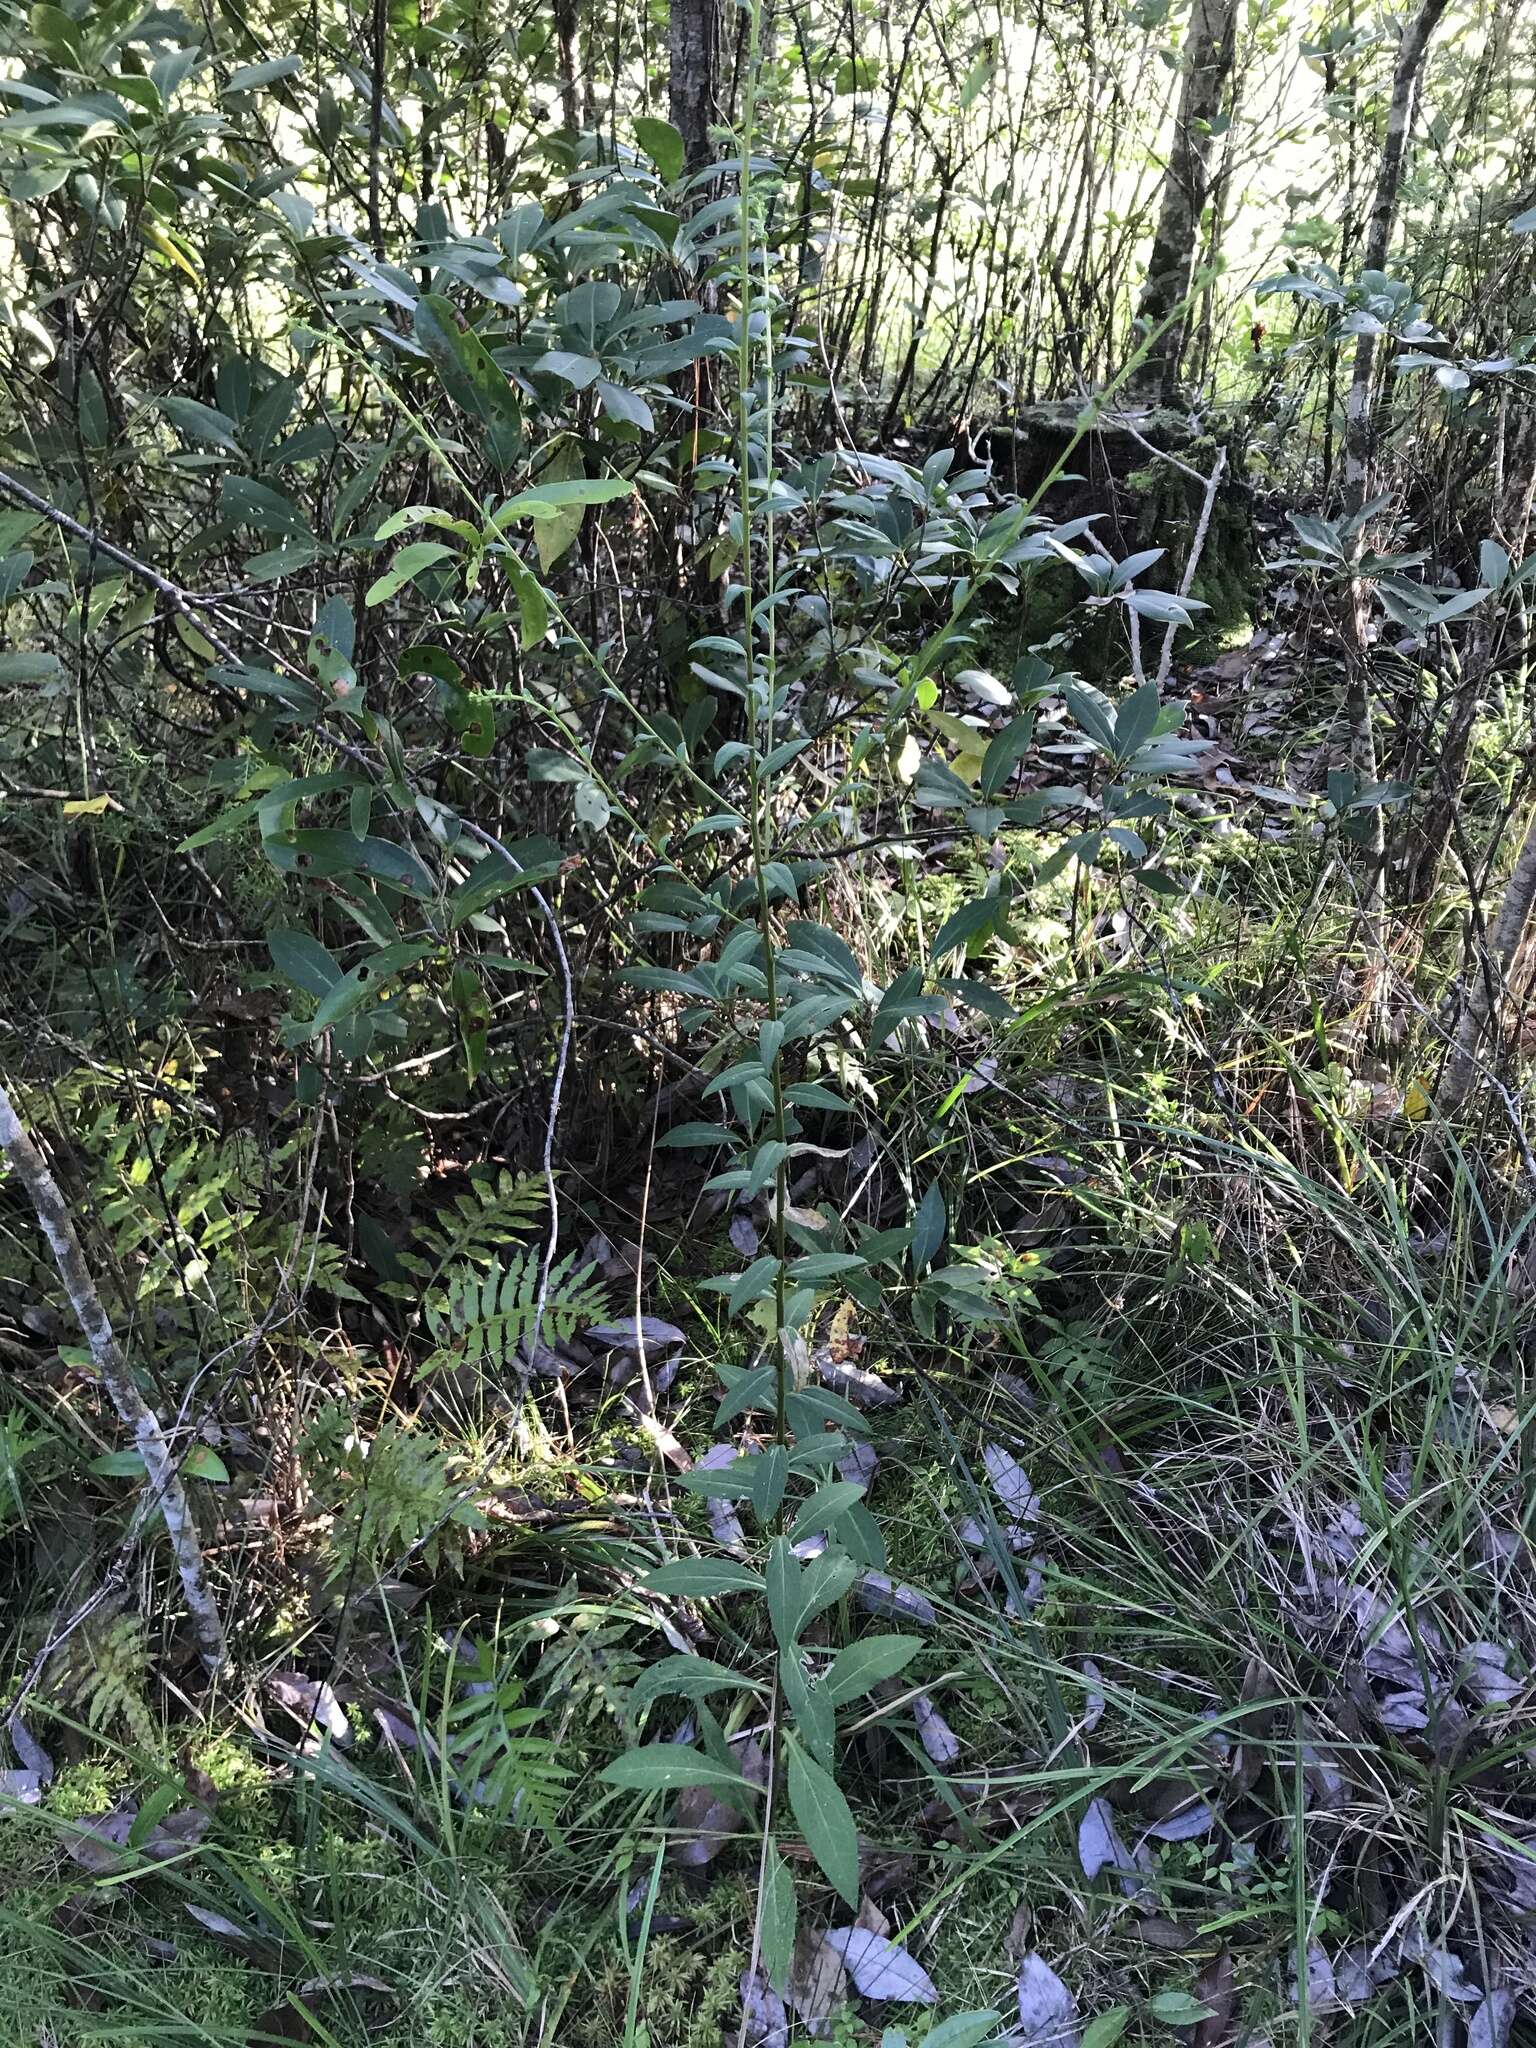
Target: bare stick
(1196, 550)
(31, 1169)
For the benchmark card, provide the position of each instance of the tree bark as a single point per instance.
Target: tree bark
(1359, 434)
(1486, 986)
(1209, 50)
(566, 25)
(693, 83)
(161, 1475)
(1359, 437)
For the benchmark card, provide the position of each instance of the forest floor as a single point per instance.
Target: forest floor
(1215, 1547)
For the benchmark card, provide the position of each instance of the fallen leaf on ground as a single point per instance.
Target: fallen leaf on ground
(767, 2023)
(1047, 2010)
(30, 1753)
(935, 1733)
(863, 1389)
(101, 1846)
(1010, 1482)
(1493, 2022)
(879, 1595)
(1216, 1987)
(818, 1983)
(879, 1969)
(312, 1702)
(1099, 1846)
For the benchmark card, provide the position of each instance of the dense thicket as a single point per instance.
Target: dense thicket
(768, 849)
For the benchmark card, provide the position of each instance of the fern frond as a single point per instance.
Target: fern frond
(475, 1227)
(480, 1318)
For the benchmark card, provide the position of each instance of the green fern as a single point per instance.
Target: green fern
(396, 1497)
(101, 1674)
(499, 1761)
(480, 1317)
(475, 1227)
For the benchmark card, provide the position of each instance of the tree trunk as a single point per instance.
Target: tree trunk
(1359, 436)
(1209, 50)
(693, 84)
(1359, 429)
(1486, 982)
(566, 25)
(161, 1475)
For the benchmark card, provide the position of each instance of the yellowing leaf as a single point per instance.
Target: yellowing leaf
(170, 249)
(87, 806)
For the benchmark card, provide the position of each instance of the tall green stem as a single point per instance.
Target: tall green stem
(760, 681)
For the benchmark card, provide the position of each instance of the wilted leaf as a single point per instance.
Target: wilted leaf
(878, 1595)
(818, 1983)
(626, 1334)
(1185, 1825)
(1493, 2022)
(935, 1733)
(1446, 1972)
(879, 1969)
(767, 2023)
(1010, 1482)
(101, 1846)
(863, 1389)
(1047, 2009)
(1216, 1989)
(312, 1702)
(29, 1750)
(1099, 1846)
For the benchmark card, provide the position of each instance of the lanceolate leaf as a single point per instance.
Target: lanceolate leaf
(825, 1821)
(668, 1766)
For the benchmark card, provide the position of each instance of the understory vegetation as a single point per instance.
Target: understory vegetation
(768, 1227)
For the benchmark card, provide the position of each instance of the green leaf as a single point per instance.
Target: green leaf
(543, 501)
(1107, 2029)
(250, 76)
(824, 1265)
(684, 1135)
(825, 1507)
(691, 1678)
(23, 667)
(776, 1916)
(825, 1821)
(407, 565)
(303, 961)
(1178, 2009)
(199, 422)
(201, 1462)
(972, 921)
(784, 1594)
(965, 2029)
(1005, 752)
(858, 1667)
(929, 1228)
(363, 981)
(663, 145)
(469, 375)
(698, 1579)
(669, 1766)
